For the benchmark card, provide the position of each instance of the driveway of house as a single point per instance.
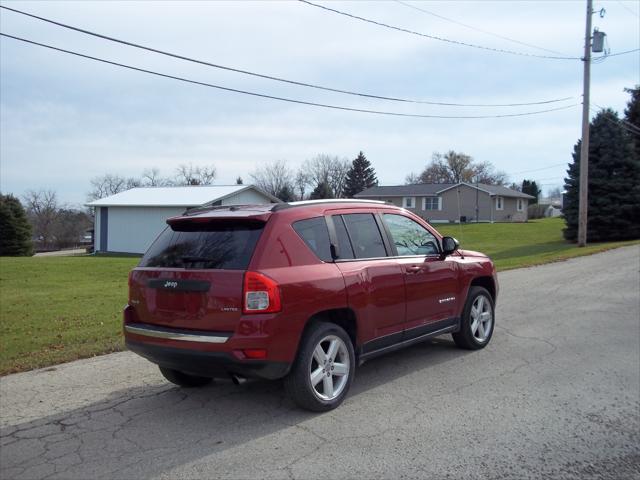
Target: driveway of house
(555, 395)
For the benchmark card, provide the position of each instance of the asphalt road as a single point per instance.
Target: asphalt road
(556, 394)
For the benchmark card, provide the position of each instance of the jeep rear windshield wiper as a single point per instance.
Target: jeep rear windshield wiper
(194, 259)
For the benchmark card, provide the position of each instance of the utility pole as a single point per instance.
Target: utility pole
(584, 147)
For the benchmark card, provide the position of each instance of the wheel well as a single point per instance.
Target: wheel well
(344, 317)
(485, 282)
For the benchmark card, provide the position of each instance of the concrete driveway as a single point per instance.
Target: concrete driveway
(555, 395)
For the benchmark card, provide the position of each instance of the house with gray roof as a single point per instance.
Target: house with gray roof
(455, 202)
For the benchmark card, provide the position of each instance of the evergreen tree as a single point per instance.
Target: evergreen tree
(632, 116)
(286, 193)
(323, 190)
(360, 176)
(530, 187)
(614, 184)
(15, 230)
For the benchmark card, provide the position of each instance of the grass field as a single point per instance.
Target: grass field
(56, 309)
(515, 245)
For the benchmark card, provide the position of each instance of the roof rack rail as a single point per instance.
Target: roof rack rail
(282, 206)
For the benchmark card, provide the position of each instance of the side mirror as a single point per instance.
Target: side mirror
(449, 245)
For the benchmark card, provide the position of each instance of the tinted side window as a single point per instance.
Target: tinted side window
(365, 235)
(208, 246)
(409, 237)
(344, 244)
(315, 234)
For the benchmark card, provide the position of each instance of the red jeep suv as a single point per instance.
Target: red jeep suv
(303, 291)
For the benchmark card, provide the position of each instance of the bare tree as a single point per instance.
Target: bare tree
(486, 173)
(301, 182)
(194, 175)
(42, 211)
(275, 178)
(327, 169)
(454, 167)
(110, 184)
(151, 178)
(412, 179)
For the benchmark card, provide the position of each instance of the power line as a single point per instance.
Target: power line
(628, 126)
(271, 77)
(627, 8)
(503, 37)
(539, 169)
(434, 37)
(283, 99)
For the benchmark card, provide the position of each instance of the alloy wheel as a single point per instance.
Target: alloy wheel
(329, 367)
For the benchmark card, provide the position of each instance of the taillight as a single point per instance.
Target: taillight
(261, 294)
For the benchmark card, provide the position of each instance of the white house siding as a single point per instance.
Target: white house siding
(247, 197)
(132, 229)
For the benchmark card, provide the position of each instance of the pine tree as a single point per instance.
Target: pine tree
(530, 187)
(323, 190)
(286, 194)
(360, 176)
(632, 116)
(15, 230)
(614, 184)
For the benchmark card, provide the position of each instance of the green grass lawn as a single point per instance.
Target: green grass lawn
(514, 245)
(56, 309)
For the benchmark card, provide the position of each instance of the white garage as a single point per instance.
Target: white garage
(129, 221)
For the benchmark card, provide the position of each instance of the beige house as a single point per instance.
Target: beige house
(446, 202)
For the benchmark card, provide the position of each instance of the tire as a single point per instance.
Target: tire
(475, 334)
(325, 356)
(184, 379)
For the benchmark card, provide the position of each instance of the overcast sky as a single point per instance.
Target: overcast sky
(65, 119)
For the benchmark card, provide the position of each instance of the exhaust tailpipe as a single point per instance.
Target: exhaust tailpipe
(238, 380)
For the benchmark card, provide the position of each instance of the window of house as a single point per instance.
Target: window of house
(409, 237)
(365, 235)
(520, 205)
(409, 202)
(499, 203)
(431, 203)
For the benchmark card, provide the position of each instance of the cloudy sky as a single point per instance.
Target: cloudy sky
(65, 119)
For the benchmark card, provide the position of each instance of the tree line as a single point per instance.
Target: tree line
(40, 223)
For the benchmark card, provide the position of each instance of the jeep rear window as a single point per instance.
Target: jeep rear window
(212, 245)
(315, 234)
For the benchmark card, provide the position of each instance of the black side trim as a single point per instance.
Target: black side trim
(179, 285)
(396, 341)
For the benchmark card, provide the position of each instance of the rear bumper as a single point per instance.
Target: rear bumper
(208, 363)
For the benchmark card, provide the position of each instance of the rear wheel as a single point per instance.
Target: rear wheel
(324, 369)
(184, 379)
(476, 326)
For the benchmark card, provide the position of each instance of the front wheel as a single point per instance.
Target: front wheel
(324, 369)
(478, 320)
(184, 379)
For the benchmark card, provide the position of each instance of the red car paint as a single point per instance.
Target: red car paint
(380, 299)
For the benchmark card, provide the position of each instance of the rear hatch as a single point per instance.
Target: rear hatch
(192, 275)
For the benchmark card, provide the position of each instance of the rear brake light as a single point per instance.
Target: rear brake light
(261, 294)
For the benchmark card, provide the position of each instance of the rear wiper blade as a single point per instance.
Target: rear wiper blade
(194, 259)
